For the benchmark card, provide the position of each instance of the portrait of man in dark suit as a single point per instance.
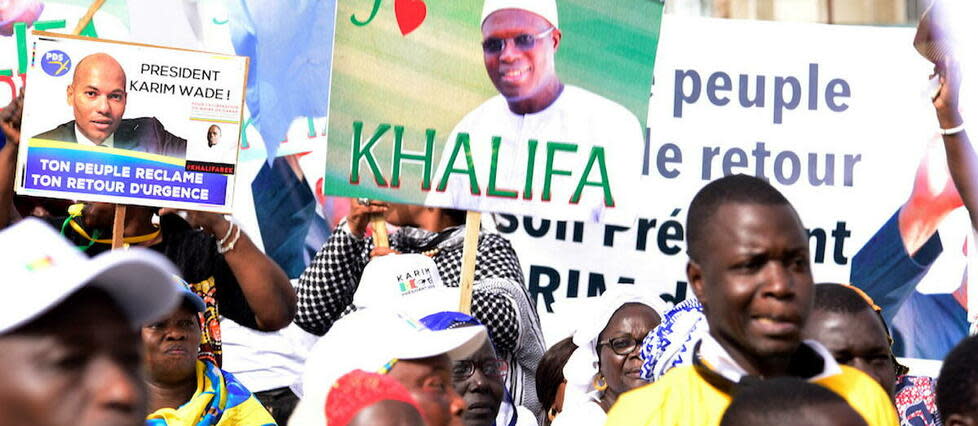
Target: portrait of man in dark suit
(97, 95)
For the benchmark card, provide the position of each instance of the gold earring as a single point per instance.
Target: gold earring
(599, 383)
(552, 413)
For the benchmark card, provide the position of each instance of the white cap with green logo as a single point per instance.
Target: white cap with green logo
(41, 269)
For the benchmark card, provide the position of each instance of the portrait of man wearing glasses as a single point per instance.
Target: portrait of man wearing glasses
(520, 40)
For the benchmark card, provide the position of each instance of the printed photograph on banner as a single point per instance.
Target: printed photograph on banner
(497, 105)
(133, 124)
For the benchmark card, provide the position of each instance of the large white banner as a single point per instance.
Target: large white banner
(836, 117)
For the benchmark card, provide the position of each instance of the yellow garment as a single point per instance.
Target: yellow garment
(683, 397)
(234, 406)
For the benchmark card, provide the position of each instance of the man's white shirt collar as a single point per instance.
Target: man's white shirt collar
(109, 142)
(720, 361)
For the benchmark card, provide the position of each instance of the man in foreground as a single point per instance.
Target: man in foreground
(68, 341)
(749, 266)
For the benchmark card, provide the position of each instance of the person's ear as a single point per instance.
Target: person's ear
(960, 420)
(694, 275)
(556, 38)
(68, 92)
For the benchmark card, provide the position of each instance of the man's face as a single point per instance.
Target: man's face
(430, 382)
(213, 135)
(171, 346)
(403, 214)
(78, 364)
(754, 280)
(520, 74)
(623, 372)
(482, 392)
(97, 95)
(857, 340)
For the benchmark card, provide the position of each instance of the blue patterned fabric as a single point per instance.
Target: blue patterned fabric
(671, 343)
(220, 400)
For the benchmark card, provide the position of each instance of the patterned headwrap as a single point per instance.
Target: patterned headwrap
(671, 344)
(359, 389)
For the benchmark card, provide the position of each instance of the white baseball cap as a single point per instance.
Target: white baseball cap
(41, 269)
(368, 340)
(405, 283)
(546, 9)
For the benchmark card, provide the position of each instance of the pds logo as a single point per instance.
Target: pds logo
(56, 63)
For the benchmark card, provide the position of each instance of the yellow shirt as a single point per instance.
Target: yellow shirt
(683, 397)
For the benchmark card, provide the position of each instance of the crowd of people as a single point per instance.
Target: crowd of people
(94, 336)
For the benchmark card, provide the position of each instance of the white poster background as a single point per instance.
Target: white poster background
(887, 126)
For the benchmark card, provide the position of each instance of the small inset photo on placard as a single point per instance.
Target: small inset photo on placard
(210, 151)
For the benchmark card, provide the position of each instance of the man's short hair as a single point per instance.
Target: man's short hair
(838, 298)
(550, 371)
(729, 189)
(777, 401)
(958, 382)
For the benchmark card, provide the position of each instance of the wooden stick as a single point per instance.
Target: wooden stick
(379, 226)
(83, 22)
(469, 249)
(118, 226)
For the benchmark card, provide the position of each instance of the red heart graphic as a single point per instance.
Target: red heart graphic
(410, 14)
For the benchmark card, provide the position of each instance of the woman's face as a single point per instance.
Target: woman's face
(630, 324)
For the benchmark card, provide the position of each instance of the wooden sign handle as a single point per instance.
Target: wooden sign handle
(119, 221)
(83, 22)
(118, 226)
(379, 226)
(470, 248)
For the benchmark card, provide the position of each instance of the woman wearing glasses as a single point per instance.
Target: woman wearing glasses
(606, 362)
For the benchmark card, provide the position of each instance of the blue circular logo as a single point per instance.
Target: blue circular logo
(56, 63)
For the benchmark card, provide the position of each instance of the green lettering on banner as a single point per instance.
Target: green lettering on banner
(312, 127)
(423, 158)
(552, 148)
(530, 164)
(492, 191)
(373, 13)
(366, 152)
(597, 155)
(244, 135)
(50, 25)
(89, 30)
(20, 35)
(461, 142)
(20, 31)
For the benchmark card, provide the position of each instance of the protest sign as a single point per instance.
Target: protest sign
(142, 125)
(841, 133)
(277, 205)
(453, 105)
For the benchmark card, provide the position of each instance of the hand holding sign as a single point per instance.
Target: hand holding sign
(360, 214)
(212, 223)
(946, 101)
(10, 119)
